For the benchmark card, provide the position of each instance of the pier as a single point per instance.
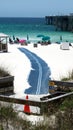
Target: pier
(64, 23)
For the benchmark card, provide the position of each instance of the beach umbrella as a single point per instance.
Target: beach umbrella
(40, 35)
(45, 38)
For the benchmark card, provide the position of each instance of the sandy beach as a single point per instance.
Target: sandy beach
(60, 62)
(17, 64)
(33, 66)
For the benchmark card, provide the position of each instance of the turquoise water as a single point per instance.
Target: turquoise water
(20, 27)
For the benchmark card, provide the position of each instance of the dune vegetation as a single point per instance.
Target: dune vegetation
(62, 111)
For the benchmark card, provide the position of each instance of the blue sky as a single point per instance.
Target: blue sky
(35, 8)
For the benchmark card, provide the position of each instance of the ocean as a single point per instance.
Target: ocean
(21, 27)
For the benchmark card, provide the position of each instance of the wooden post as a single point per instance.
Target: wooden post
(44, 107)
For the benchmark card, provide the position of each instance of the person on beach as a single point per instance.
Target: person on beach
(27, 37)
(17, 39)
(13, 37)
(10, 40)
(61, 38)
(70, 44)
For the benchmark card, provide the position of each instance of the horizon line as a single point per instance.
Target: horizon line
(19, 17)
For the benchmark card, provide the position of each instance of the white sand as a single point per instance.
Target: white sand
(59, 61)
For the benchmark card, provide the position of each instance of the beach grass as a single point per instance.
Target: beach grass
(61, 117)
(3, 73)
(63, 111)
(68, 77)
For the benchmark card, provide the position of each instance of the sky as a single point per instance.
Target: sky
(35, 8)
